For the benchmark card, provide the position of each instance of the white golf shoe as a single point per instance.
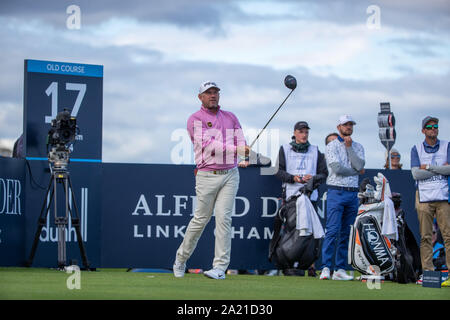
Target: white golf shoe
(325, 274)
(215, 274)
(179, 269)
(341, 275)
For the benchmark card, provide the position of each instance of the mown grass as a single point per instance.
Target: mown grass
(112, 284)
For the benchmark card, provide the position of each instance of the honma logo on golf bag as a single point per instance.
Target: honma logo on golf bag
(374, 244)
(368, 247)
(373, 236)
(49, 232)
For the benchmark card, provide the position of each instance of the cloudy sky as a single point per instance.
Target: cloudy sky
(156, 53)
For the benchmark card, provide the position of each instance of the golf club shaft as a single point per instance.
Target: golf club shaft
(270, 119)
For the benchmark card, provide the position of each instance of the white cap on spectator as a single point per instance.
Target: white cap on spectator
(345, 118)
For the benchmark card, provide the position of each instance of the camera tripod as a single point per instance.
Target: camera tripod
(59, 175)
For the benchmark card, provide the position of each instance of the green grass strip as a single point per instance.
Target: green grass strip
(110, 284)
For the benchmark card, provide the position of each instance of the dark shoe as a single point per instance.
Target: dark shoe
(311, 272)
(294, 272)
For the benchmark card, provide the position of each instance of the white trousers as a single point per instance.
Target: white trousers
(214, 192)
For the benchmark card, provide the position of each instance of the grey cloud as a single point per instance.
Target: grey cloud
(136, 95)
(147, 98)
(183, 13)
(417, 46)
(431, 16)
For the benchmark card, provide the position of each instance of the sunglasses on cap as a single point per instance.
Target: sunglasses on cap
(431, 126)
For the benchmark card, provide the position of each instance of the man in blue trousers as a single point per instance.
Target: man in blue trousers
(345, 161)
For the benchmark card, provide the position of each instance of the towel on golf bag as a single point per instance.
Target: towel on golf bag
(307, 221)
(389, 227)
(383, 193)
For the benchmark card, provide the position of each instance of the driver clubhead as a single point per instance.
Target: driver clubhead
(290, 82)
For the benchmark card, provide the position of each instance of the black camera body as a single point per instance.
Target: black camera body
(63, 131)
(60, 137)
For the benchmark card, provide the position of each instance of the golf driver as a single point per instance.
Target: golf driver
(291, 83)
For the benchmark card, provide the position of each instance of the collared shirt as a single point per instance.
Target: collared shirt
(415, 162)
(215, 137)
(336, 152)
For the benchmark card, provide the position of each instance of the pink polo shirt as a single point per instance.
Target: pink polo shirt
(215, 137)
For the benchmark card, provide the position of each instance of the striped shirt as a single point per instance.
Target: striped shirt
(336, 152)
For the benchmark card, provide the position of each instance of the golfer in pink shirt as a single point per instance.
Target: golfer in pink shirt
(218, 140)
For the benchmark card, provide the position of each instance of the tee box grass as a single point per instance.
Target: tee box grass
(118, 284)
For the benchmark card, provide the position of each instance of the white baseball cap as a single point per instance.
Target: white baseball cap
(345, 118)
(206, 85)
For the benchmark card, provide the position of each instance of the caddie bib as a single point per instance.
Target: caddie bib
(300, 164)
(436, 187)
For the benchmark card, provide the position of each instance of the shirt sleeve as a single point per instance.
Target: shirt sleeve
(331, 154)
(238, 131)
(361, 153)
(420, 174)
(448, 154)
(415, 162)
(356, 156)
(322, 171)
(334, 162)
(281, 165)
(339, 169)
(190, 128)
(442, 170)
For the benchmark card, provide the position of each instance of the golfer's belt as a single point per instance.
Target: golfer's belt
(220, 171)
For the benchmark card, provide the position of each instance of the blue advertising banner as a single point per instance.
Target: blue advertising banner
(12, 211)
(148, 207)
(135, 215)
(85, 179)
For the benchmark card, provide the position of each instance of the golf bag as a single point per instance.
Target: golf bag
(407, 259)
(287, 246)
(372, 249)
(369, 249)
